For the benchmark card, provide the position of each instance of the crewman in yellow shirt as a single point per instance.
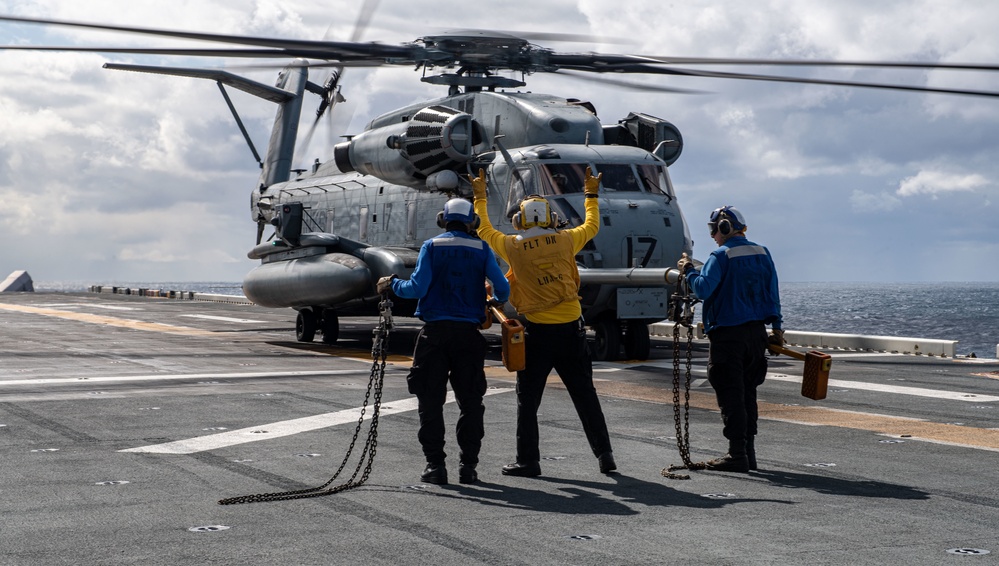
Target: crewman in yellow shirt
(544, 288)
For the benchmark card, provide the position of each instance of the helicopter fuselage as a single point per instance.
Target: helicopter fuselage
(365, 213)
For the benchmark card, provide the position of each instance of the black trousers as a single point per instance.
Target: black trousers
(452, 352)
(737, 365)
(561, 347)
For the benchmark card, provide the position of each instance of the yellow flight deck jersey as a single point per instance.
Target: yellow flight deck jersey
(544, 280)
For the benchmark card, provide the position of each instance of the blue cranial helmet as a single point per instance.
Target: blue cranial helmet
(726, 219)
(458, 210)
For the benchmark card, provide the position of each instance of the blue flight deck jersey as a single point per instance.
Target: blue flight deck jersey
(738, 284)
(449, 279)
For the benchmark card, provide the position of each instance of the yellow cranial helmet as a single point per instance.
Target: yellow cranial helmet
(534, 211)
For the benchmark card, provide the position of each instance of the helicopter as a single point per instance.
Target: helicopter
(364, 211)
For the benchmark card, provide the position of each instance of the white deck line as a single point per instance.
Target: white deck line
(283, 428)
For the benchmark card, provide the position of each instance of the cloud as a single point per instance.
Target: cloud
(936, 182)
(871, 202)
(125, 174)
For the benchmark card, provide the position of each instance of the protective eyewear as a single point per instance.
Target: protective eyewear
(716, 215)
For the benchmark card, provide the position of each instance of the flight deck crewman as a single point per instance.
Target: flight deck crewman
(544, 287)
(449, 281)
(738, 284)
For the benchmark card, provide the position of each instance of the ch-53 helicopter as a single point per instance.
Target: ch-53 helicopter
(363, 212)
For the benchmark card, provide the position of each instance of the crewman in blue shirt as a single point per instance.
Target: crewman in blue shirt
(738, 285)
(449, 281)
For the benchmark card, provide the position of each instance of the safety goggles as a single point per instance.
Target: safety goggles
(716, 215)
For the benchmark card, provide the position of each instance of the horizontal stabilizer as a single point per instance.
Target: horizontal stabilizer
(259, 90)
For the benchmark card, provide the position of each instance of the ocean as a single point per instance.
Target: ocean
(966, 312)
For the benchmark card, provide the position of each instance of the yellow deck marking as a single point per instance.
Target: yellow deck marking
(109, 320)
(981, 438)
(969, 437)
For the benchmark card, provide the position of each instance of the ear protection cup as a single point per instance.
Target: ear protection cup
(724, 226)
(473, 225)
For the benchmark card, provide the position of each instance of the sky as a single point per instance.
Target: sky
(108, 176)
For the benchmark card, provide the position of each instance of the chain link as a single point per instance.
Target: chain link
(683, 316)
(379, 355)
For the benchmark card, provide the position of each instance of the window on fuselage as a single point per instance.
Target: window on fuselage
(655, 179)
(618, 177)
(562, 178)
(522, 183)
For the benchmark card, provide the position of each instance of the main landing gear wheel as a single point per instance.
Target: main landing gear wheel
(637, 344)
(607, 344)
(305, 326)
(330, 326)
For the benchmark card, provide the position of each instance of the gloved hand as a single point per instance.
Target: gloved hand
(684, 264)
(385, 284)
(592, 183)
(776, 337)
(494, 302)
(478, 185)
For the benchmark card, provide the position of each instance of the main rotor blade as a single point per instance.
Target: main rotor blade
(626, 84)
(309, 65)
(607, 62)
(648, 69)
(364, 19)
(252, 53)
(821, 63)
(550, 36)
(321, 49)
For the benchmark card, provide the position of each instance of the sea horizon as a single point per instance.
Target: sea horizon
(965, 311)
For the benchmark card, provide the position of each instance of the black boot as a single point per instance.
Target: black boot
(606, 461)
(751, 451)
(467, 474)
(522, 469)
(729, 463)
(435, 474)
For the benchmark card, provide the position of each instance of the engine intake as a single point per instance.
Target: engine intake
(436, 138)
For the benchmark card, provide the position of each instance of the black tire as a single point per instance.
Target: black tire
(637, 344)
(305, 326)
(607, 345)
(330, 326)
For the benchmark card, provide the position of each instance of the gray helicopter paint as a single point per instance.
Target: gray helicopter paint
(281, 149)
(384, 217)
(379, 213)
(524, 118)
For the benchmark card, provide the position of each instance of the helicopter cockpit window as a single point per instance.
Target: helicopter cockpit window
(522, 183)
(618, 177)
(562, 178)
(655, 179)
